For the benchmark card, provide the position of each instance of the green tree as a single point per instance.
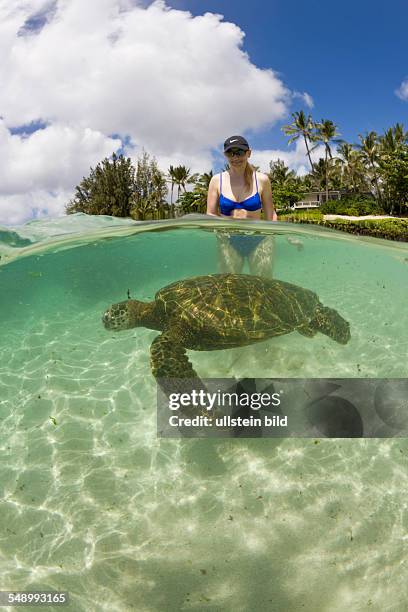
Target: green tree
(108, 190)
(287, 195)
(172, 180)
(150, 190)
(371, 154)
(279, 173)
(326, 132)
(301, 126)
(287, 189)
(205, 179)
(392, 138)
(181, 177)
(196, 200)
(393, 169)
(353, 176)
(321, 174)
(190, 202)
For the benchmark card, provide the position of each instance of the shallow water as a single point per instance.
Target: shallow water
(93, 503)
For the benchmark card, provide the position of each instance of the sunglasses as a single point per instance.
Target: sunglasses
(235, 153)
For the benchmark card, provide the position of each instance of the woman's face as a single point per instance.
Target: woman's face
(238, 161)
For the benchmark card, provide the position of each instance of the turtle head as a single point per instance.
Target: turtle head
(329, 322)
(125, 315)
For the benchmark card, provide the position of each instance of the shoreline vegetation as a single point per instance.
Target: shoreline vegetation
(371, 178)
(389, 228)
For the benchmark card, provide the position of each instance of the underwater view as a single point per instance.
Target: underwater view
(94, 503)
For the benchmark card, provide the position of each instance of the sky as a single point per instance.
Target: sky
(80, 80)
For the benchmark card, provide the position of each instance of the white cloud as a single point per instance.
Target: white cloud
(17, 208)
(52, 158)
(165, 79)
(296, 159)
(307, 98)
(402, 91)
(198, 162)
(38, 172)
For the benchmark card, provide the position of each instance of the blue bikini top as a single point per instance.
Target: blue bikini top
(252, 203)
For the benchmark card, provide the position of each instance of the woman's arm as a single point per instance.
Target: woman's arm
(213, 197)
(267, 201)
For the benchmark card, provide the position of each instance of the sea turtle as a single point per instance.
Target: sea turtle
(219, 311)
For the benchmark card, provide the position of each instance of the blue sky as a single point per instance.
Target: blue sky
(80, 80)
(350, 56)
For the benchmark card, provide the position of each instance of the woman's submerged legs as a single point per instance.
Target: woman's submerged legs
(261, 259)
(233, 250)
(229, 259)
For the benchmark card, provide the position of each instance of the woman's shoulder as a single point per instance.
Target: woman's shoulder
(262, 178)
(215, 181)
(215, 178)
(261, 175)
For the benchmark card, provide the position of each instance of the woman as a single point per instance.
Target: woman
(241, 193)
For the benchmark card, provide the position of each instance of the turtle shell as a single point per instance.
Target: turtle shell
(224, 310)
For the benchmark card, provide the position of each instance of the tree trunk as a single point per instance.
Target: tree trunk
(171, 200)
(308, 152)
(329, 150)
(376, 185)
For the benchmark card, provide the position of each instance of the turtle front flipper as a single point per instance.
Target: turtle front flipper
(176, 376)
(171, 367)
(168, 357)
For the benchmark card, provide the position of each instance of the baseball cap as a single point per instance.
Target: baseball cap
(236, 142)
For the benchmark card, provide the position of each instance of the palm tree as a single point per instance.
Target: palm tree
(301, 126)
(196, 200)
(393, 137)
(370, 152)
(352, 168)
(320, 174)
(182, 176)
(279, 173)
(204, 180)
(326, 132)
(199, 204)
(401, 136)
(171, 179)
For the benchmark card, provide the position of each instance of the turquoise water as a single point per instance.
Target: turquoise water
(93, 503)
